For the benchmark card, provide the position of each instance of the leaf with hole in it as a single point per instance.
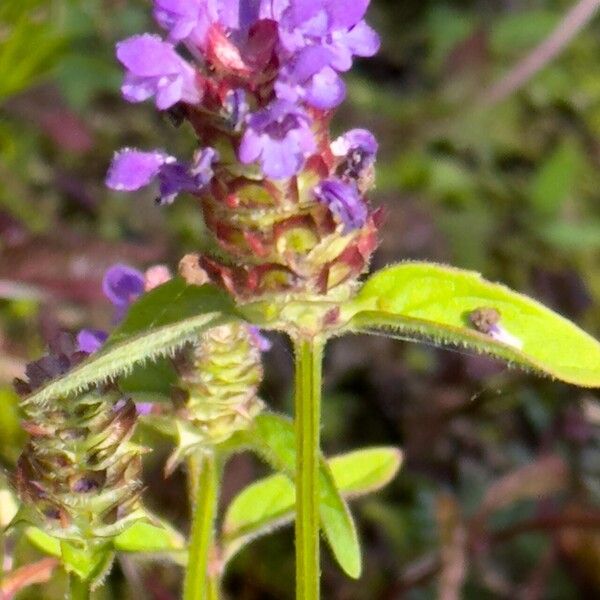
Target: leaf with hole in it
(423, 301)
(272, 437)
(161, 322)
(270, 502)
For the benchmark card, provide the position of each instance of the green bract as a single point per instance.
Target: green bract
(423, 301)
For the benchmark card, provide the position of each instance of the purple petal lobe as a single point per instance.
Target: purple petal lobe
(279, 137)
(153, 68)
(91, 340)
(344, 201)
(148, 56)
(132, 169)
(123, 285)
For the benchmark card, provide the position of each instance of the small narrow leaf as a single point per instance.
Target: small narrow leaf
(273, 438)
(162, 321)
(270, 502)
(417, 301)
(364, 471)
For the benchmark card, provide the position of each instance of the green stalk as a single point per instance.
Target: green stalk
(213, 588)
(309, 353)
(197, 584)
(79, 589)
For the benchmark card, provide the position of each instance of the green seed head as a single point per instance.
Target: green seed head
(79, 475)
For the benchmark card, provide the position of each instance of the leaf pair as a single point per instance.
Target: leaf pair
(412, 301)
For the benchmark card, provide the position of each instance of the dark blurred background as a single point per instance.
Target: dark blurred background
(499, 493)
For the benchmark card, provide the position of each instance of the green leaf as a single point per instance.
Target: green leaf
(556, 179)
(143, 537)
(161, 322)
(150, 538)
(272, 437)
(416, 301)
(270, 502)
(44, 542)
(90, 562)
(365, 471)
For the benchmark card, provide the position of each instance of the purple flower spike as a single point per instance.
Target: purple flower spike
(155, 69)
(91, 340)
(344, 201)
(122, 285)
(280, 138)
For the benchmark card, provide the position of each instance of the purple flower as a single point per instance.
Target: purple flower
(259, 340)
(344, 201)
(122, 285)
(279, 137)
(186, 19)
(355, 139)
(309, 77)
(333, 24)
(155, 69)
(133, 169)
(235, 108)
(191, 20)
(357, 150)
(91, 340)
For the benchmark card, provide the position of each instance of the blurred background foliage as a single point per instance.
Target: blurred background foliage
(499, 496)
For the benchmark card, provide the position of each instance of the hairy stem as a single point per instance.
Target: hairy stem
(197, 584)
(308, 408)
(79, 589)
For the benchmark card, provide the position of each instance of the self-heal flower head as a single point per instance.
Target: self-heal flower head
(279, 138)
(344, 201)
(133, 169)
(155, 69)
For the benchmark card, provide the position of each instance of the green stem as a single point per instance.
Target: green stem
(309, 353)
(79, 589)
(197, 581)
(213, 588)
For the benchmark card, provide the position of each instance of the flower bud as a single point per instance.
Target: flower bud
(218, 390)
